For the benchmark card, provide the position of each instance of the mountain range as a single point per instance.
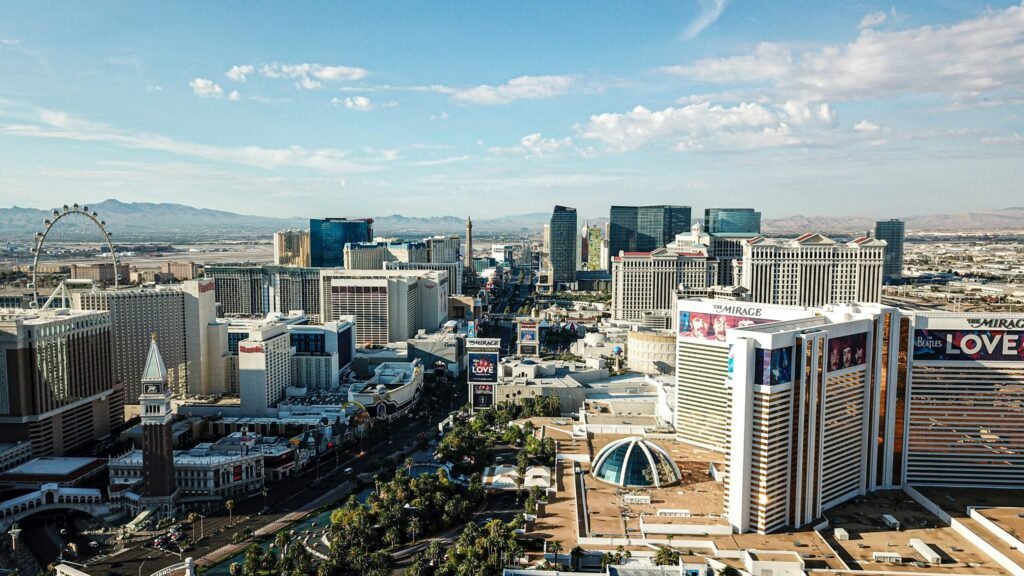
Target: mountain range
(142, 220)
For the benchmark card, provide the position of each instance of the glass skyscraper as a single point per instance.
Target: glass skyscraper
(732, 221)
(645, 228)
(328, 236)
(893, 232)
(562, 244)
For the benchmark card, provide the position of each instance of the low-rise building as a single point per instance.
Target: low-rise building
(203, 476)
(394, 388)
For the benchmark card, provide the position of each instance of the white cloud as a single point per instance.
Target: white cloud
(521, 88)
(234, 96)
(58, 125)
(865, 126)
(9, 42)
(311, 76)
(441, 116)
(964, 61)
(708, 126)
(441, 161)
(710, 11)
(338, 73)
(239, 73)
(534, 145)
(205, 88)
(873, 20)
(361, 103)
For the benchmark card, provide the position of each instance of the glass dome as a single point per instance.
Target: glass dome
(635, 462)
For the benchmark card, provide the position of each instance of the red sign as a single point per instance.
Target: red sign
(257, 349)
(206, 286)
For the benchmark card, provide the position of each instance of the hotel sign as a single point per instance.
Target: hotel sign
(969, 345)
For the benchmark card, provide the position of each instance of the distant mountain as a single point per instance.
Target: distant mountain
(144, 220)
(1004, 219)
(163, 221)
(140, 219)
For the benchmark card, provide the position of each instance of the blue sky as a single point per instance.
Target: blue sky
(488, 108)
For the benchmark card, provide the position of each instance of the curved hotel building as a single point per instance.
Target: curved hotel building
(815, 406)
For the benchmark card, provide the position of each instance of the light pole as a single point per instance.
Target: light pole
(264, 498)
(14, 531)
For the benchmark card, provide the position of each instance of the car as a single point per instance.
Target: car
(347, 471)
(94, 544)
(499, 458)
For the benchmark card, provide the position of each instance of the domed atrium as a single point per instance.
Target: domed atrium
(635, 463)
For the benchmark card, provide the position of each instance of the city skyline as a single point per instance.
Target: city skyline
(322, 111)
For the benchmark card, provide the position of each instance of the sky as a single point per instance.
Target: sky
(492, 108)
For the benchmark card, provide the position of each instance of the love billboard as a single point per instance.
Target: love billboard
(483, 367)
(969, 345)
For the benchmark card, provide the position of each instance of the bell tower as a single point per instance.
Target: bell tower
(157, 442)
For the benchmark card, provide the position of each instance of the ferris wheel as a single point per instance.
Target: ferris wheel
(73, 211)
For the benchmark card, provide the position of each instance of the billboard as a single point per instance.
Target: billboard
(528, 335)
(711, 326)
(847, 351)
(483, 396)
(471, 329)
(773, 366)
(483, 343)
(970, 345)
(483, 367)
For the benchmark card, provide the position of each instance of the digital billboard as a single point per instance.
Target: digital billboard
(976, 345)
(483, 396)
(847, 351)
(483, 367)
(773, 366)
(710, 326)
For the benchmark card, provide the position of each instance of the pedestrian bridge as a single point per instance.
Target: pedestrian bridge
(52, 497)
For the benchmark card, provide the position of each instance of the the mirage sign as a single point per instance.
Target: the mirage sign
(712, 319)
(976, 345)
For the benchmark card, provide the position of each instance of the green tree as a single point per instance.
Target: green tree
(576, 557)
(666, 557)
(253, 558)
(230, 505)
(555, 546)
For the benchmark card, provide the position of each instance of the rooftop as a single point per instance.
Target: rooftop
(51, 466)
(862, 519)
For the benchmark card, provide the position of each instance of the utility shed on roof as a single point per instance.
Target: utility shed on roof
(927, 552)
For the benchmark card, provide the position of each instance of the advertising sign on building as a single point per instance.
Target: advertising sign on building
(847, 351)
(969, 345)
(483, 343)
(483, 367)
(773, 366)
(712, 320)
(483, 396)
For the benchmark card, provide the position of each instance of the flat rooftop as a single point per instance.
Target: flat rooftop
(862, 519)
(51, 466)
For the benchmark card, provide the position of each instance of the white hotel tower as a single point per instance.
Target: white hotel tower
(814, 406)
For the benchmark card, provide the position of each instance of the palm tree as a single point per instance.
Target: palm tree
(419, 567)
(435, 552)
(666, 557)
(230, 505)
(281, 541)
(193, 517)
(556, 547)
(575, 557)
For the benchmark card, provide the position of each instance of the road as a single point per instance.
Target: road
(283, 498)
